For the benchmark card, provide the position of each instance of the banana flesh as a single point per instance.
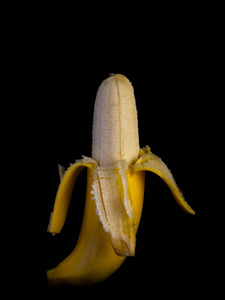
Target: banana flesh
(115, 189)
(115, 129)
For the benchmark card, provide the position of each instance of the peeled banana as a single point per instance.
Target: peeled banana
(115, 189)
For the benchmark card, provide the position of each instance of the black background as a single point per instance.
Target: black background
(168, 239)
(59, 65)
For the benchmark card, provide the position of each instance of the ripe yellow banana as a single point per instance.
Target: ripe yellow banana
(115, 189)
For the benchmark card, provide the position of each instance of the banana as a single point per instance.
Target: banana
(115, 189)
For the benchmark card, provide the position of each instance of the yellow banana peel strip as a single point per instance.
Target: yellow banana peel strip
(114, 206)
(63, 197)
(150, 162)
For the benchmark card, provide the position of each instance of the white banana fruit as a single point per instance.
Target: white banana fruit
(115, 189)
